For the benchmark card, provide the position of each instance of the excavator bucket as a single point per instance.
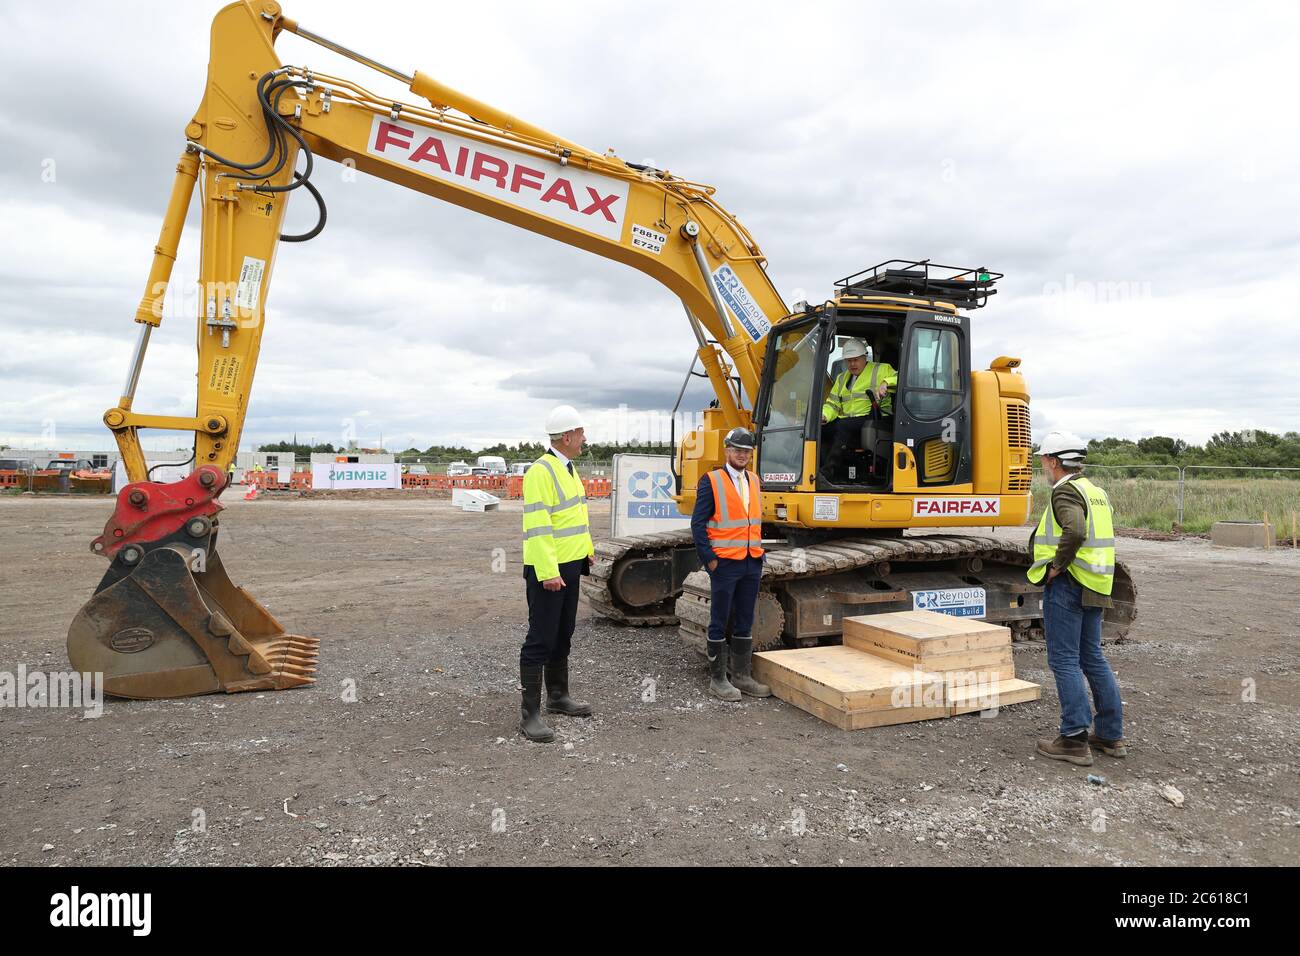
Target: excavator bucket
(166, 620)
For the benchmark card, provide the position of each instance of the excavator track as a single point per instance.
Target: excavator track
(806, 591)
(602, 590)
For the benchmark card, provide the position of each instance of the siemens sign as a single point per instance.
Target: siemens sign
(350, 475)
(643, 496)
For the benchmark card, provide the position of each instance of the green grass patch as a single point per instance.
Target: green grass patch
(1153, 502)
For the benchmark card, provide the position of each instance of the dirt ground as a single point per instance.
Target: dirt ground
(426, 766)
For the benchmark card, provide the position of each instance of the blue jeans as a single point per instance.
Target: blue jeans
(734, 592)
(1073, 653)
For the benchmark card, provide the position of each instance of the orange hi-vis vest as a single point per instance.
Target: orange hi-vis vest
(733, 532)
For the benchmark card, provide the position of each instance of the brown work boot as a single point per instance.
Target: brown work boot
(1111, 748)
(1067, 749)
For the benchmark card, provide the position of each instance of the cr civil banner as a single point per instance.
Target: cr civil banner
(642, 496)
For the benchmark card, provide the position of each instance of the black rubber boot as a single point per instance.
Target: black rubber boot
(531, 724)
(558, 700)
(742, 656)
(719, 686)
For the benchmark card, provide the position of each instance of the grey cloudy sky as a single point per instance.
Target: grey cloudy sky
(1130, 167)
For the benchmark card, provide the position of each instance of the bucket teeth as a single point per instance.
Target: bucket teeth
(279, 650)
(284, 657)
(283, 681)
(302, 645)
(293, 667)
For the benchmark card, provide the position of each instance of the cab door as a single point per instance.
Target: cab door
(788, 409)
(932, 405)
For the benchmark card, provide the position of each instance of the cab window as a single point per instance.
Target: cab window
(933, 379)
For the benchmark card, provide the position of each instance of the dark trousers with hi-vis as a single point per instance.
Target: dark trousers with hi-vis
(552, 615)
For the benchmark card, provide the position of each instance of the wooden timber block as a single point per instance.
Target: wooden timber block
(918, 637)
(974, 698)
(854, 720)
(843, 678)
(995, 659)
(853, 689)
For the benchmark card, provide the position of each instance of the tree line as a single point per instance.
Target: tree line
(1250, 448)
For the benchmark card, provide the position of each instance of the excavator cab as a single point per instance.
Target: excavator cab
(908, 313)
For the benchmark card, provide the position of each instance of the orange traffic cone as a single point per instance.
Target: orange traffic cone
(251, 493)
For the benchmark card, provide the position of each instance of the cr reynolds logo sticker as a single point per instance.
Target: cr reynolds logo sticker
(955, 507)
(740, 302)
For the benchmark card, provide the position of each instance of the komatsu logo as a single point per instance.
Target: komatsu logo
(956, 507)
(570, 195)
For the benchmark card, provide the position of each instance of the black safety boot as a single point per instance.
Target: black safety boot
(719, 686)
(558, 700)
(742, 656)
(531, 724)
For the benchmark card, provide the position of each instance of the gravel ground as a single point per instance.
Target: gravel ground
(420, 608)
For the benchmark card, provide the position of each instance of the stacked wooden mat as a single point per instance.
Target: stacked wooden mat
(897, 668)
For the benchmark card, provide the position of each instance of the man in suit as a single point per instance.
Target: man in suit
(727, 526)
(557, 552)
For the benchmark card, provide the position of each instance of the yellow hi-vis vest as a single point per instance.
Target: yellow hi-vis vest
(848, 399)
(555, 518)
(1094, 565)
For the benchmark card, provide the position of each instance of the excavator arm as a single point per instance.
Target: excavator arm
(166, 620)
(456, 149)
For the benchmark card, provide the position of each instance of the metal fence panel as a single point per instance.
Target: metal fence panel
(1191, 498)
(1221, 493)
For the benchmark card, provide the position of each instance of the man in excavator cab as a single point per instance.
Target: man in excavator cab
(858, 402)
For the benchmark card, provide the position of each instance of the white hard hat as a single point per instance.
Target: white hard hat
(563, 418)
(855, 348)
(1066, 446)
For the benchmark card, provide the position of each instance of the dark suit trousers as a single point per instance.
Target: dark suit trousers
(551, 615)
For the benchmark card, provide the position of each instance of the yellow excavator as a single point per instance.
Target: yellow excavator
(166, 621)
